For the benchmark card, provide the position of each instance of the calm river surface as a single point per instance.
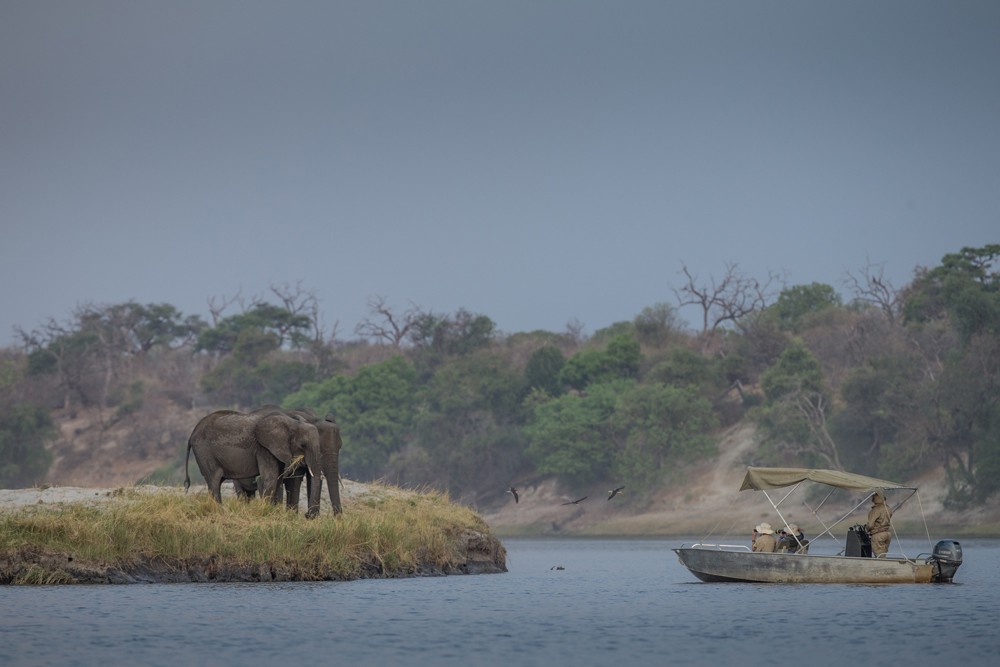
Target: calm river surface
(616, 602)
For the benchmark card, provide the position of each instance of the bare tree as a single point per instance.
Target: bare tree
(218, 306)
(871, 286)
(386, 325)
(726, 301)
(300, 301)
(575, 331)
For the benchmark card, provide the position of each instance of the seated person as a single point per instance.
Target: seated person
(793, 540)
(765, 538)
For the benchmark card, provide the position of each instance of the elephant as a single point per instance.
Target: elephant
(330, 444)
(240, 446)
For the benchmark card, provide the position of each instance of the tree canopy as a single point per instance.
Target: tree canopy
(892, 383)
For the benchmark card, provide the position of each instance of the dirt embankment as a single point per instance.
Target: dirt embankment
(707, 501)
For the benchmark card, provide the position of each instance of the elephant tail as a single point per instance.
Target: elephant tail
(187, 477)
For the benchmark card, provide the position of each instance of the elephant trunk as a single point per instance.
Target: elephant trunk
(331, 471)
(314, 463)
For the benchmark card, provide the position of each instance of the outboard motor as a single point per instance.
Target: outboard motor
(947, 556)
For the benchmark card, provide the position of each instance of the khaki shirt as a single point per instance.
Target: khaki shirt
(765, 542)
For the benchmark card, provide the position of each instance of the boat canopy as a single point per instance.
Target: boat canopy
(776, 478)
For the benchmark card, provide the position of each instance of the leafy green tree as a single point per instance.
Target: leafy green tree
(663, 426)
(572, 436)
(471, 412)
(657, 324)
(796, 304)
(797, 370)
(255, 373)
(686, 368)
(461, 333)
(966, 396)
(620, 360)
(542, 370)
(274, 322)
(965, 286)
(71, 356)
(877, 426)
(793, 419)
(24, 433)
(375, 409)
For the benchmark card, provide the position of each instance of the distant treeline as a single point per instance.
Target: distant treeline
(892, 382)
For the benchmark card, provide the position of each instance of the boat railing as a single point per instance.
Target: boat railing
(720, 547)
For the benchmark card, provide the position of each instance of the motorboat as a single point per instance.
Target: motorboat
(826, 557)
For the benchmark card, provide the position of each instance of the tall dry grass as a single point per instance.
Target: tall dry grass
(389, 529)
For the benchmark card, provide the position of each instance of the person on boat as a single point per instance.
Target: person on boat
(765, 538)
(879, 524)
(793, 540)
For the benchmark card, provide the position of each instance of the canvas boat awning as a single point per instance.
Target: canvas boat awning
(760, 479)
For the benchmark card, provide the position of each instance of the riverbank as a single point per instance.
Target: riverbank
(154, 534)
(705, 499)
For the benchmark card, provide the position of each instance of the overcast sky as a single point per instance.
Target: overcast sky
(537, 162)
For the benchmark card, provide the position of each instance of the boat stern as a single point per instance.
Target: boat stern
(946, 559)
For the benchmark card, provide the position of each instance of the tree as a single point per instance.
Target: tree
(375, 409)
(734, 297)
(572, 436)
(620, 359)
(794, 416)
(657, 324)
(663, 425)
(795, 304)
(468, 422)
(965, 287)
(880, 425)
(461, 333)
(68, 353)
(24, 433)
(966, 396)
(542, 370)
(284, 326)
(872, 287)
(385, 325)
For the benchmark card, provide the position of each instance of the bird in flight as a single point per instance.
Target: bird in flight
(615, 492)
(511, 490)
(576, 502)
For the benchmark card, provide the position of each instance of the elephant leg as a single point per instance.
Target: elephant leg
(270, 469)
(293, 489)
(245, 488)
(214, 481)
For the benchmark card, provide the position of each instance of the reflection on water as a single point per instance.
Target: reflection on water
(627, 600)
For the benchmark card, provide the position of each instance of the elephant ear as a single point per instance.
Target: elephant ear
(273, 434)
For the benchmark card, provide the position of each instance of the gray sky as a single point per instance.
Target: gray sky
(537, 162)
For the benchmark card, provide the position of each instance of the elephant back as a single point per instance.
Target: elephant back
(227, 428)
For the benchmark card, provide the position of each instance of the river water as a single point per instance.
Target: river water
(614, 602)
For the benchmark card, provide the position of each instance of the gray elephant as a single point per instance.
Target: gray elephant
(330, 444)
(239, 446)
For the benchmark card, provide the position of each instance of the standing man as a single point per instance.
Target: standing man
(879, 518)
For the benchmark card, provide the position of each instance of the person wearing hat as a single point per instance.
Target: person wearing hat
(879, 521)
(792, 539)
(765, 538)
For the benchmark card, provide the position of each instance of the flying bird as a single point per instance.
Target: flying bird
(576, 502)
(511, 490)
(615, 492)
